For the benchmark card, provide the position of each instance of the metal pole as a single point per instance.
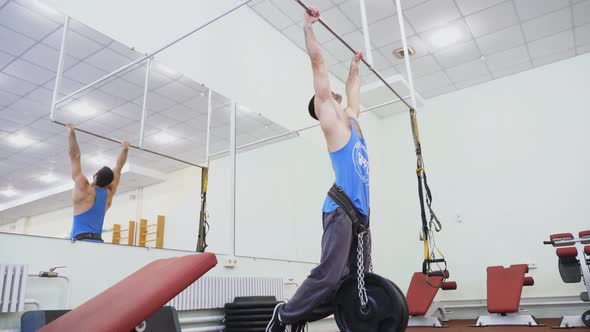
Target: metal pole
(146, 88)
(232, 147)
(209, 111)
(296, 132)
(355, 52)
(402, 29)
(132, 146)
(60, 68)
(368, 50)
(102, 79)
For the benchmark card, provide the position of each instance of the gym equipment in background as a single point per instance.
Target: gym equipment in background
(420, 296)
(573, 262)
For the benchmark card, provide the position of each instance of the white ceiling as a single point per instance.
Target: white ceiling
(30, 39)
(496, 37)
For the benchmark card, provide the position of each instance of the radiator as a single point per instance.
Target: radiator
(13, 283)
(215, 292)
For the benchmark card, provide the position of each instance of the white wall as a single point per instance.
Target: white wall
(510, 158)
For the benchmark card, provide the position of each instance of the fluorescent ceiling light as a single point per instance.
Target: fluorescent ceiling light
(8, 192)
(164, 138)
(48, 178)
(445, 37)
(82, 108)
(167, 70)
(19, 140)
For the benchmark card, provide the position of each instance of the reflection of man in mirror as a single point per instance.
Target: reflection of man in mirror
(92, 200)
(348, 153)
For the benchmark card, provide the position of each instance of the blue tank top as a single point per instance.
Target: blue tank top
(92, 220)
(351, 166)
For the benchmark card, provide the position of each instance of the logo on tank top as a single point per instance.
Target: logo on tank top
(360, 158)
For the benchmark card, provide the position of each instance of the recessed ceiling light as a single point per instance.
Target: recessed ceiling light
(8, 192)
(164, 138)
(20, 140)
(445, 37)
(48, 178)
(82, 108)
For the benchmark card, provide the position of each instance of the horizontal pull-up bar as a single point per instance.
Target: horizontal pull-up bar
(296, 132)
(131, 146)
(345, 43)
(152, 54)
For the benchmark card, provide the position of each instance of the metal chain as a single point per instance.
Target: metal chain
(360, 263)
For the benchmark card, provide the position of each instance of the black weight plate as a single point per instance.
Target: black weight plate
(251, 311)
(247, 305)
(387, 308)
(247, 324)
(586, 318)
(236, 318)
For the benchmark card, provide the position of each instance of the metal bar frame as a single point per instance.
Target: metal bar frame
(146, 88)
(60, 68)
(209, 111)
(366, 34)
(296, 132)
(232, 147)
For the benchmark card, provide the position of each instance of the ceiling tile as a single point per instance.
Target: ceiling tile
(273, 15)
(180, 113)
(48, 126)
(25, 21)
(387, 31)
(7, 98)
(338, 21)
(548, 25)
(129, 110)
(437, 91)
(492, 19)
(458, 54)
(156, 103)
(581, 13)
(102, 100)
(29, 72)
(23, 118)
(14, 43)
(513, 69)
(178, 92)
(31, 107)
(420, 66)
(501, 40)
(432, 14)
(77, 46)
(528, 9)
(5, 59)
(107, 60)
(338, 50)
(430, 37)
(504, 59)
(432, 81)
(15, 85)
(7, 125)
(290, 8)
(340, 70)
(135, 75)
(469, 7)
(36, 134)
(583, 49)
(67, 86)
(376, 10)
(475, 81)
(467, 71)
(47, 57)
(112, 120)
(583, 35)
(322, 5)
(295, 34)
(125, 51)
(380, 61)
(122, 89)
(559, 42)
(84, 73)
(86, 31)
(555, 57)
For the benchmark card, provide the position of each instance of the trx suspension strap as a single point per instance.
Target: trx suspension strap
(430, 224)
(203, 224)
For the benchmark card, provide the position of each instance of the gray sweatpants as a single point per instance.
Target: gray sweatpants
(314, 298)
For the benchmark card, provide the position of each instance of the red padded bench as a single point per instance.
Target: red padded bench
(420, 296)
(129, 302)
(504, 293)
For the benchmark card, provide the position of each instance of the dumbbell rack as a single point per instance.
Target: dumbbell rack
(568, 240)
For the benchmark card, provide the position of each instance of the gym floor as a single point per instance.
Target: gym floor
(465, 325)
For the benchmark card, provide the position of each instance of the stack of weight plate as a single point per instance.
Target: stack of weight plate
(249, 314)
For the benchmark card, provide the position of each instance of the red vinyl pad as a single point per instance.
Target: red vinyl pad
(587, 250)
(567, 252)
(420, 295)
(505, 288)
(129, 302)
